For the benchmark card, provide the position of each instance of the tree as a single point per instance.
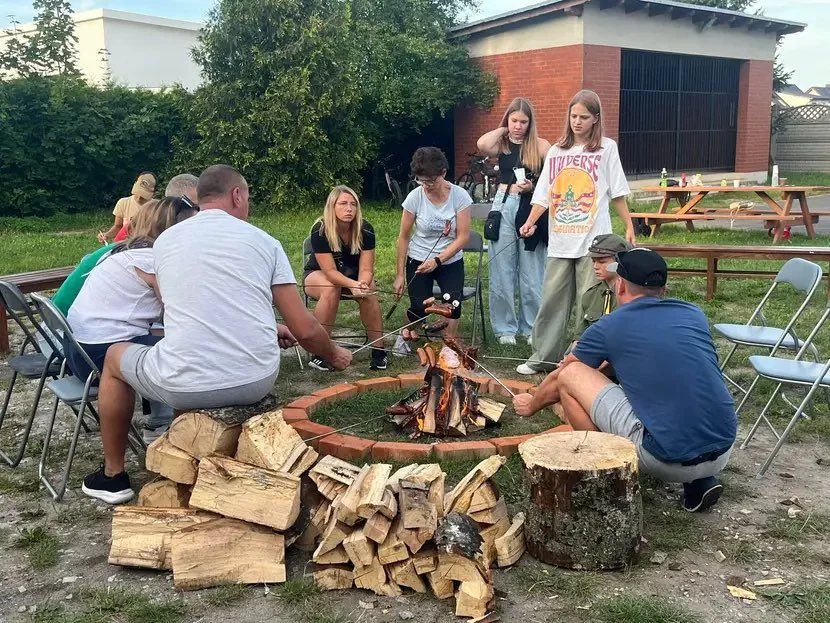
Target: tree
(299, 93)
(50, 49)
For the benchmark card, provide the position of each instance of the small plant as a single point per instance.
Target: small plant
(225, 595)
(130, 606)
(297, 591)
(41, 546)
(803, 527)
(809, 603)
(640, 610)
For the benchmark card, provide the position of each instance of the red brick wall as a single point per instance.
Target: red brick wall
(548, 77)
(754, 116)
(601, 69)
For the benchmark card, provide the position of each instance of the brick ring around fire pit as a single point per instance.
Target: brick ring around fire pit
(299, 414)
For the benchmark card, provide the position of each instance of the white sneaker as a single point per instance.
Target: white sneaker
(525, 369)
(149, 435)
(401, 347)
(507, 340)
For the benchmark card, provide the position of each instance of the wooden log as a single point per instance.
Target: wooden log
(415, 538)
(491, 515)
(342, 513)
(393, 549)
(236, 415)
(389, 505)
(255, 494)
(459, 498)
(199, 435)
(330, 468)
(300, 460)
(404, 574)
(458, 568)
(474, 599)
(377, 527)
(489, 534)
(346, 504)
(415, 509)
(442, 588)
(227, 551)
(491, 410)
(336, 556)
(511, 546)
(266, 440)
(333, 578)
(372, 489)
(486, 496)
(166, 459)
(141, 534)
(425, 561)
(164, 493)
(331, 489)
(373, 577)
(360, 549)
(585, 508)
(334, 535)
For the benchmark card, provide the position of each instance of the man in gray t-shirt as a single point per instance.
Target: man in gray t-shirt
(219, 278)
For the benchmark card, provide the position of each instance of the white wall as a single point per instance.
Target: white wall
(660, 33)
(548, 32)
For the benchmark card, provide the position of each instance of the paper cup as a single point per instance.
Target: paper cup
(520, 174)
(736, 183)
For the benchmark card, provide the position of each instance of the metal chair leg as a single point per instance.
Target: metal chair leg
(762, 416)
(21, 449)
(747, 393)
(783, 438)
(44, 454)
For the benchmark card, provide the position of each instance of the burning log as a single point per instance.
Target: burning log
(448, 404)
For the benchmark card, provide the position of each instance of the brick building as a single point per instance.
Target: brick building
(686, 87)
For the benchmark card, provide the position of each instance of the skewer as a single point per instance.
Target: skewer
(346, 428)
(492, 376)
(522, 359)
(384, 336)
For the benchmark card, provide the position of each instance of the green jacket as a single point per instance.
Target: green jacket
(597, 301)
(68, 292)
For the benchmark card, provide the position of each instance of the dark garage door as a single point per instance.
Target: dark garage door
(677, 111)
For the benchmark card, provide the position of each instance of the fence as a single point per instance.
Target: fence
(802, 139)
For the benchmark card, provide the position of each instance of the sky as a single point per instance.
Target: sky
(802, 52)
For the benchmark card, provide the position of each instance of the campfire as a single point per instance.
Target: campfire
(448, 403)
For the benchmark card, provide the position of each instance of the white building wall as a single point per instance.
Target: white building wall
(549, 32)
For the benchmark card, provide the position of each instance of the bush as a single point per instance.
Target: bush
(66, 146)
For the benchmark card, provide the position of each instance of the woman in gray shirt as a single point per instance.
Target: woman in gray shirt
(435, 226)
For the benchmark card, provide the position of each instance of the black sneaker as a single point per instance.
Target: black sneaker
(318, 363)
(112, 490)
(379, 359)
(701, 494)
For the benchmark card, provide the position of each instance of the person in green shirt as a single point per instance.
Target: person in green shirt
(68, 291)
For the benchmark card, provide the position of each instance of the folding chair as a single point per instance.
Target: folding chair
(78, 394)
(474, 245)
(789, 372)
(43, 362)
(804, 277)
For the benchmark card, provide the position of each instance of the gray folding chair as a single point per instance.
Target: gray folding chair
(44, 361)
(789, 372)
(474, 245)
(801, 275)
(78, 394)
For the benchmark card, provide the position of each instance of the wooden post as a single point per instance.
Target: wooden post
(585, 508)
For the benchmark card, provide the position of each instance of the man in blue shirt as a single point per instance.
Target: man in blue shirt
(671, 401)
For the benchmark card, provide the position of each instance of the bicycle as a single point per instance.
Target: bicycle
(396, 196)
(480, 178)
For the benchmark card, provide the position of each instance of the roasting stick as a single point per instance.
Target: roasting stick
(350, 426)
(386, 335)
(492, 376)
(524, 359)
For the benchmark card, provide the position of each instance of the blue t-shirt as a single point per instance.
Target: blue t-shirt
(664, 357)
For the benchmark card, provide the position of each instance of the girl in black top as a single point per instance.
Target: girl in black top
(515, 264)
(342, 265)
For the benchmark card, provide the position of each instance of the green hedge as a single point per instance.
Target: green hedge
(66, 146)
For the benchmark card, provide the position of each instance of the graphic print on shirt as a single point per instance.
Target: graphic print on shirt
(573, 201)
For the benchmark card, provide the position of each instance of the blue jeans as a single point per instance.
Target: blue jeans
(511, 268)
(160, 413)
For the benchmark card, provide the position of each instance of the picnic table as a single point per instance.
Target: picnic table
(690, 210)
(34, 281)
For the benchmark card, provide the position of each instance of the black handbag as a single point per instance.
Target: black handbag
(492, 225)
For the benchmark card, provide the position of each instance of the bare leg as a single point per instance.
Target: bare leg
(318, 287)
(579, 386)
(452, 328)
(371, 318)
(116, 401)
(574, 414)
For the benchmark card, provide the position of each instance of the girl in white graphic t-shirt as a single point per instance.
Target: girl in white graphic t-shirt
(581, 176)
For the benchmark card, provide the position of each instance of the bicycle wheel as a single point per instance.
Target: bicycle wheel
(467, 182)
(396, 200)
(411, 185)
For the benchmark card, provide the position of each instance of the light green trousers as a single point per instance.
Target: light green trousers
(566, 280)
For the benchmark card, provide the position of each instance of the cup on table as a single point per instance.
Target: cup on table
(782, 181)
(519, 172)
(736, 183)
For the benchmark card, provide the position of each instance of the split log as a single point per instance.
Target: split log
(486, 496)
(511, 546)
(254, 494)
(489, 534)
(333, 469)
(393, 549)
(442, 588)
(334, 535)
(585, 508)
(461, 496)
(164, 493)
(405, 574)
(458, 568)
(373, 577)
(491, 410)
(199, 434)
(141, 535)
(166, 459)
(474, 599)
(372, 490)
(491, 515)
(377, 527)
(341, 512)
(337, 556)
(227, 551)
(300, 460)
(415, 509)
(425, 561)
(360, 549)
(389, 505)
(333, 578)
(266, 440)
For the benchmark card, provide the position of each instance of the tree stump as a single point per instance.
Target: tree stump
(585, 507)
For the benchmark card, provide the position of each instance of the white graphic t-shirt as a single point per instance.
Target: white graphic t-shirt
(577, 186)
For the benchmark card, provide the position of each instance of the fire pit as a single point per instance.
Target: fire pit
(449, 402)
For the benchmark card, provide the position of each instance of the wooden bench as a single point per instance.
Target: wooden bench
(713, 253)
(34, 281)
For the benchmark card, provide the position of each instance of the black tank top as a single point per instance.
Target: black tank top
(508, 162)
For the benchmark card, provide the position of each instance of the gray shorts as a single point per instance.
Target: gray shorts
(612, 413)
(132, 369)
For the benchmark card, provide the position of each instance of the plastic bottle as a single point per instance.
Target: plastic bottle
(775, 178)
(664, 178)
(683, 182)
(723, 182)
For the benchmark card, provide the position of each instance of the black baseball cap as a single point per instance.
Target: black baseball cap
(641, 266)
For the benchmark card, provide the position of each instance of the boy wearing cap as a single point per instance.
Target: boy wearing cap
(600, 299)
(127, 207)
(671, 401)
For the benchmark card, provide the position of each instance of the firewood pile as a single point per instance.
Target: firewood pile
(233, 493)
(449, 401)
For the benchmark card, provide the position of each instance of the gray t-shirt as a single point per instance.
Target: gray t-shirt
(215, 274)
(430, 221)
